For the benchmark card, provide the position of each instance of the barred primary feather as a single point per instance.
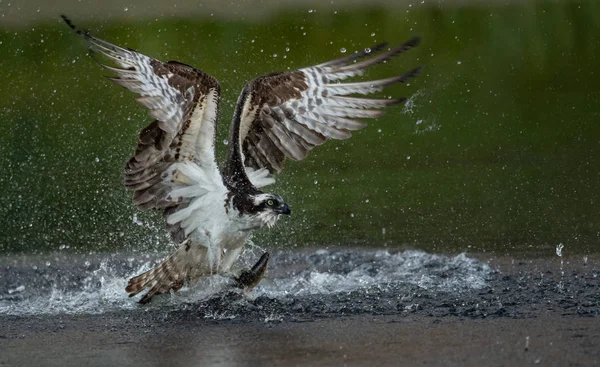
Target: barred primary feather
(285, 115)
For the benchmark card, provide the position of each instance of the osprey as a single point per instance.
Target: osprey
(210, 213)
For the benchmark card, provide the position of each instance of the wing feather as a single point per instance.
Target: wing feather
(175, 159)
(285, 115)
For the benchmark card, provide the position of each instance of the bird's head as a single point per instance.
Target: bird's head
(268, 208)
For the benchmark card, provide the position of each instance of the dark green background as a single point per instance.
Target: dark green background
(499, 150)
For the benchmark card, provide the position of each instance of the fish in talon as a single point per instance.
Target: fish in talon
(249, 278)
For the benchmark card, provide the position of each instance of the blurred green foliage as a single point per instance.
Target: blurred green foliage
(497, 150)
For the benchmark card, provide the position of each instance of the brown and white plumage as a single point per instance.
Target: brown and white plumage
(285, 115)
(278, 116)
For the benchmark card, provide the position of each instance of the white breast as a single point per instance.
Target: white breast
(218, 228)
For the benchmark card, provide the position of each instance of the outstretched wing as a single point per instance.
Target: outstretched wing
(175, 157)
(285, 115)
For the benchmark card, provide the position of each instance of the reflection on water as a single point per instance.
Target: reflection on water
(497, 149)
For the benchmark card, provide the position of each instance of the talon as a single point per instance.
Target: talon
(249, 278)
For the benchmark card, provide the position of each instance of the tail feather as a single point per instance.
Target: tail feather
(170, 274)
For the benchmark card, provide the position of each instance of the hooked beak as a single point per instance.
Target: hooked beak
(283, 209)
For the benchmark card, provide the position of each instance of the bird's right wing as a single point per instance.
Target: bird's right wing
(184, 102)
(174, 164)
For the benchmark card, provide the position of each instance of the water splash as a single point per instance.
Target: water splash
(83, 285)
(559, 249)
(346, 271)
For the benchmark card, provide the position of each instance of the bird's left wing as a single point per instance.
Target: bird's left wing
(285, 115)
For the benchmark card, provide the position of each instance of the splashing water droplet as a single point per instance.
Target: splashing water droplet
(559, 249)
(137, 221)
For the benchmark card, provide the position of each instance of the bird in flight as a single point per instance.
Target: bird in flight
(210, 213)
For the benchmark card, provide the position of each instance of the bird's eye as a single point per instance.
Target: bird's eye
(270, 202)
